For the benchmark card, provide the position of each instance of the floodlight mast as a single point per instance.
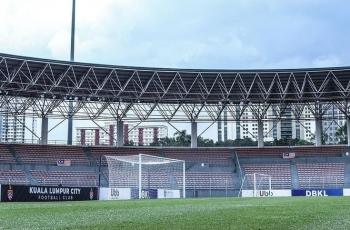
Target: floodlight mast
(72, 33)
(70, 109)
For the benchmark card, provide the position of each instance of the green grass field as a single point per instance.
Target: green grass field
(218, 213)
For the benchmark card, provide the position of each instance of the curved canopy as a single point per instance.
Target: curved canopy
(43, 78)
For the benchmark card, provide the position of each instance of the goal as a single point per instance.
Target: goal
(256, 185)
(147, 176)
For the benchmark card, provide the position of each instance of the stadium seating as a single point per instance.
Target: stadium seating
(321, 167)
(299, 151)
(214, 157)
(45, 154)
(209, 180)
(65, 178)
(194, 180)
(280, 174)
(98, 152)
(321, 175)
(5, 155)
(13, 177)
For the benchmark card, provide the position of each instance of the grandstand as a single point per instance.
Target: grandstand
(48, 89)
(209, 171)
(281, 157)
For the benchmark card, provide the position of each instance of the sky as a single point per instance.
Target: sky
(221, 34)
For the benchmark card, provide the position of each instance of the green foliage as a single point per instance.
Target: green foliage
(342, 134)
(129, 143)
(287, 142)
(238, 142)
(181, 138)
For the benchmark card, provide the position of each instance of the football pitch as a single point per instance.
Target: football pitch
(216, 213)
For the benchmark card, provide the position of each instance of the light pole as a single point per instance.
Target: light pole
(70, 109)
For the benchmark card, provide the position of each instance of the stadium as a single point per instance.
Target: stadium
(208, 172)
(74, 185)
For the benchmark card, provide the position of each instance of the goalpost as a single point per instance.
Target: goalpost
(256, 185)
(147, 176)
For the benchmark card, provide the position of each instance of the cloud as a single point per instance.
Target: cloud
(27, 25)
(58, 45)
(329, 60)
(190, 34)
(185, 34)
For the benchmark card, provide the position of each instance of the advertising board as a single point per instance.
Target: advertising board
(317, 192)
(267, 193)
(24, 193)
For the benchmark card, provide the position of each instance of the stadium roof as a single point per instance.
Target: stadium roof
(43, 78)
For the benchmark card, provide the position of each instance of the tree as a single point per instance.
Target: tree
(129, 143)
(287, 142)
(204, 142)
(342, 134)
(237, 142)
(182, 138)
(324, 137)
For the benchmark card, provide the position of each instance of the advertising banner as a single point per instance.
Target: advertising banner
(267, 193)
(149, 194)
(115, 194)
(128, 193)
(168, 193)
(145, 193)
(46, 193)
(317, 192)
(346, 192)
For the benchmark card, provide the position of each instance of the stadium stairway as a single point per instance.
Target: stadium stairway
(30, 178)
(237, 170)
(237, 181)
(88, 154)
(103, 171)
(13, 153)
(294, 174)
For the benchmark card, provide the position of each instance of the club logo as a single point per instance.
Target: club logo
(114, 193)
(10, 193)
(91, 194)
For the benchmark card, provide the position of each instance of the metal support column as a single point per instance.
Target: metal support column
(194, 136)
(348, 129)
(44, 130)
(120, 133)
(260, 133)
(318, 131)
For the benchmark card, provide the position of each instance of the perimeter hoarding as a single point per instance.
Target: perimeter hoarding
(317, 192)
(115, 194)
(132, 193)
(346, 192)
(168, 193)
(267, 193)
(23, 193)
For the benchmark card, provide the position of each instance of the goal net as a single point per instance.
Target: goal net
(256, 185)
(147, 176)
